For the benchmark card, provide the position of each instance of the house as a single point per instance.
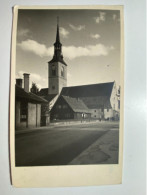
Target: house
(27, 106)
(69, 108)
(101, 99)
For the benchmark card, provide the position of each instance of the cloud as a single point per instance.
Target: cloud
(64, 33)
(101, 17)
(36, 78)
(95, 36)
(77, 28)
(23, 32)
(70, 52)
(36, 48)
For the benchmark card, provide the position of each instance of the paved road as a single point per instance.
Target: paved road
(58, 145)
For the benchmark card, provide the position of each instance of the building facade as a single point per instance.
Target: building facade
(67, 108)
(27, 106)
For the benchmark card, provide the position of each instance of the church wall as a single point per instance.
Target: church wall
(57, 82)
(114, 98)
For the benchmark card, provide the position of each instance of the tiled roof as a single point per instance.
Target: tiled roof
(94, 96)
(43, 92)
(76, 104)
(102, 89)
(20, 93)
(50, 97)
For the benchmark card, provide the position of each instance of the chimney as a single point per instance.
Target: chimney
(26, 82)
(19, 82)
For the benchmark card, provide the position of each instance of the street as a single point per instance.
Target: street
(68, 144)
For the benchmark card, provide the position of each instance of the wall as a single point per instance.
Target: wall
(108, 114)
(38, 109)
(58, 81)
(114, 98)
(60, 112)
(31, 115)
(19, 124)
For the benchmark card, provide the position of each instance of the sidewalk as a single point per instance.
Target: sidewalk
(103, 151)
(53, 125)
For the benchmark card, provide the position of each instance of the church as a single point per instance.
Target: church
(93, 101)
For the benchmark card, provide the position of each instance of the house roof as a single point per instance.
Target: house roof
(50, 97)
(20, 93)
(43, 92)
(102, 89)
(94, 96)
(76, 104)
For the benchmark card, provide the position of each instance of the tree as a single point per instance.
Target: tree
(34, 88)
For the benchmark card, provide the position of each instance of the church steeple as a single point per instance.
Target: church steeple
(57, 34)
(58, 56)
(57, 68)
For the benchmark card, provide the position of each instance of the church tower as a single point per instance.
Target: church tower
(57, 68)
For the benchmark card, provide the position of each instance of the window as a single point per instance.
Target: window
(23, 111)
(95, 111)
(62, 71)
(107, 109)
(53, 87)
(53, 70)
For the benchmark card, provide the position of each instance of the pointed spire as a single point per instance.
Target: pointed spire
(58, 57)
(57, 35)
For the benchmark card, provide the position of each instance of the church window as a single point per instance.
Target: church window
(62, 71)
(53, 70)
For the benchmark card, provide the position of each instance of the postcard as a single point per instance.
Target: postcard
(66, 100)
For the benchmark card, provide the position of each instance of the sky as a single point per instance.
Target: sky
(90, 45)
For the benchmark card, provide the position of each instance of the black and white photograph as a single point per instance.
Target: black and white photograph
(68, 83)
(67, 95)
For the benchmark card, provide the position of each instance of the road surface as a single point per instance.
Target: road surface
(59, 145)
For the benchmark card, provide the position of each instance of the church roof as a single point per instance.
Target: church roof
(101, 89)
(43, 92)
(76, 104)
(20, 93)
(59, 59)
